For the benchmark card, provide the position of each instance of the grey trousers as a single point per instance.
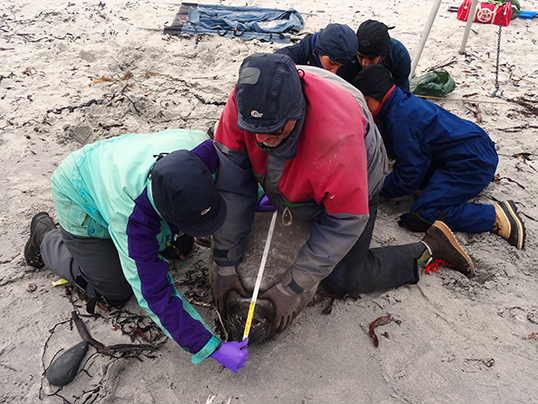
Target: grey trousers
(90, 262)
(365, 270)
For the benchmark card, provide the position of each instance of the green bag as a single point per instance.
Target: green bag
(436, 84)
(516, 7)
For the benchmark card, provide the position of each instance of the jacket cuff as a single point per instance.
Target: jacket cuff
(295, 288)
(290, 285)
(229, 258)
(206, 351)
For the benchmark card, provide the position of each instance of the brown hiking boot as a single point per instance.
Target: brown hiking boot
(41, 225)
(446, 250)
(508, 224)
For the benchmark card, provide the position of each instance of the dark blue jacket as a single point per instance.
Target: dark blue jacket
(301, 53)
(417, 133)
(397, 61)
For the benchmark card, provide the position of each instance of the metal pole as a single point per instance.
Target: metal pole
(425, 33)
(470, 20)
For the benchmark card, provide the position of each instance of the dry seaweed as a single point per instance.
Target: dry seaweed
(525, 103)
(475, 109)
(497, 179)
(383, 320)
(486, 362)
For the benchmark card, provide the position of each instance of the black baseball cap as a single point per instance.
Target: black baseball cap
(373, 38)
(184, 193)
(268, 93)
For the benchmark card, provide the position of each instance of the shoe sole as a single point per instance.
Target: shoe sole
(510, 211)
(29, 242)
(448, 233)
(203, 242)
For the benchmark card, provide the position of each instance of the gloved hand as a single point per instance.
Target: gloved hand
(285, 305)
(265, 205)
(232, 355)
(227, 280)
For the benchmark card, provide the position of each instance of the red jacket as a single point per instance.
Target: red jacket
(320, 173)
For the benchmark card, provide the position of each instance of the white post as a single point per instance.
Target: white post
(425, 33)
(470, 20)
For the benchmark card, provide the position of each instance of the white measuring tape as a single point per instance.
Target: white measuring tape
(260, 275)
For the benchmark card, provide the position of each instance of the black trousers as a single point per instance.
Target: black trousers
(365, 270)
(87, 261)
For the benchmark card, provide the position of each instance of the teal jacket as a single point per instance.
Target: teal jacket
(103, 190)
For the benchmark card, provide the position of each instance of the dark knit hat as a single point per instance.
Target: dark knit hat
(268, 93)
(373, 38)
(374, 81)
(338, 42)
(184, 193)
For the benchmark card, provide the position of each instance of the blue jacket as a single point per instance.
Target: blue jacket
(397, 62)
(103, 190)
(417, 133)
(302, 53)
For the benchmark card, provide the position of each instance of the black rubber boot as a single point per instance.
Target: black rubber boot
(41, 225)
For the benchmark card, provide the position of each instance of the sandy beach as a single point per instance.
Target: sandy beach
(74, 72)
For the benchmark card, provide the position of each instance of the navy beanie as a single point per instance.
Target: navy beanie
(184, 193)
(374, 81)
(373, 38)
(338, 42)
(268, 93)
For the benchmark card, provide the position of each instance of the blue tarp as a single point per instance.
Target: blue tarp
(248, 22)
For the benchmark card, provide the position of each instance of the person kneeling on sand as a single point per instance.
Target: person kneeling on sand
(120, 203)
(306, 140)
(450, 158)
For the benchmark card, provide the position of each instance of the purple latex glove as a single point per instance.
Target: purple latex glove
(265, 205)
(232, 355)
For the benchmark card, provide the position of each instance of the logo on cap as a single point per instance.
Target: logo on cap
(205, 211)
(256, 114)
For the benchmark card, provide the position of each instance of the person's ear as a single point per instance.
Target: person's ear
(372, 103)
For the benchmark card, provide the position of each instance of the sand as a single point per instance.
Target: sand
(76, 72)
